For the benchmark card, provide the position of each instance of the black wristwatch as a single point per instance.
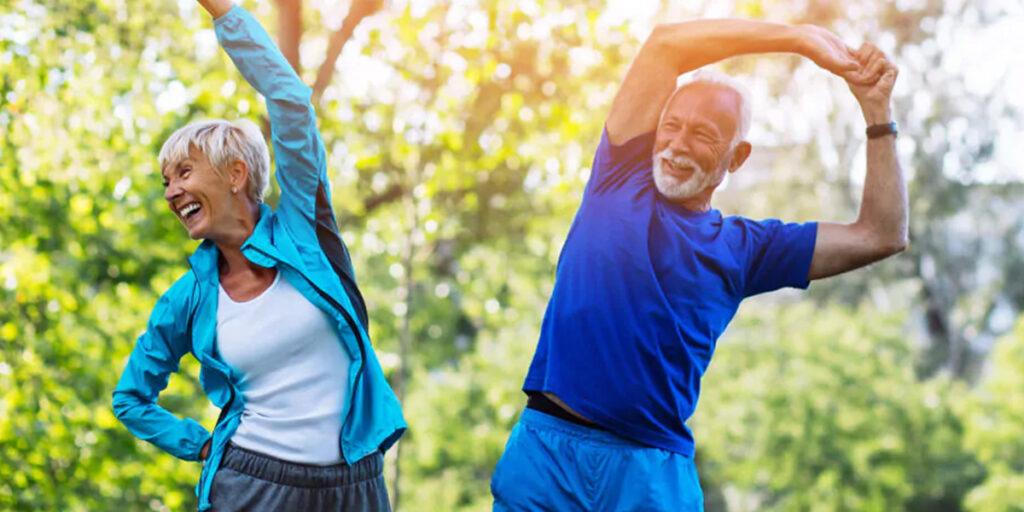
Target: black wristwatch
(881, 130)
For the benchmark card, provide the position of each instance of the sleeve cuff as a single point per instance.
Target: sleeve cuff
(806, 249)
(235, 11)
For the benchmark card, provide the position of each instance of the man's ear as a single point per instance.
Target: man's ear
(739, 155)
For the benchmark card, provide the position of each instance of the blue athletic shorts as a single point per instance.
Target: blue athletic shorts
(554, 465)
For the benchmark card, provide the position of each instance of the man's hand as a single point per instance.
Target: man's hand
(829, 52)
(878, 75)
(217, 8)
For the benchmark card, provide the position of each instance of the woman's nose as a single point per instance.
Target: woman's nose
(171, 191)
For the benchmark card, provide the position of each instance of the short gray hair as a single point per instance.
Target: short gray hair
(713, 76)
(223, 142)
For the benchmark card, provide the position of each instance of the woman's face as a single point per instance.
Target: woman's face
(199, 195)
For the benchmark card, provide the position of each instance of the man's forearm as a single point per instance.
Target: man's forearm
(674, 49)
(884, 206)
(689, 45)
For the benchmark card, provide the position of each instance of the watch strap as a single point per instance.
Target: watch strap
(881, 130)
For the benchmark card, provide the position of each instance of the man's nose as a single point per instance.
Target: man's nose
(680, 143)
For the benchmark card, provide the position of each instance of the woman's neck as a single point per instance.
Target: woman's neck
(230, 244)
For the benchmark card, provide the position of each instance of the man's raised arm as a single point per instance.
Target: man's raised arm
(881, 227)
(674, 49)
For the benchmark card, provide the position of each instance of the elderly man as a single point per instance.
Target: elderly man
(651, 274)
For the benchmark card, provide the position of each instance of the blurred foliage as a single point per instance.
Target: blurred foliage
(994, 422)
(459, 137)
(819, 409)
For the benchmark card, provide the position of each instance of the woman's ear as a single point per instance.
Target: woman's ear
(739, 155)
(238, 174)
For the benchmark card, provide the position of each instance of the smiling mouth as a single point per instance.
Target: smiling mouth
(188, 211)
(679, 171)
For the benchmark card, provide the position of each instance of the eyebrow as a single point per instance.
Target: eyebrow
(177, 166)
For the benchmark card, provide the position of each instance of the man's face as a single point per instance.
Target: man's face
(693, 146)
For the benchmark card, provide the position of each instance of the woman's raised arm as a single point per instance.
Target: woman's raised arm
(216, 8)
(301, 166)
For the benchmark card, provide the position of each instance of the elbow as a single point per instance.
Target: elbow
(123, 404)
(658, 33)
(891, 246)
(901, 245)
(120, 405)
(658, 42)
(882, 239)
(291, 96)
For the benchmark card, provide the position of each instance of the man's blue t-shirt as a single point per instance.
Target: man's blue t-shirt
(644, 288)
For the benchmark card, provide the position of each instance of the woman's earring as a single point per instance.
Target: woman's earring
(234, 190)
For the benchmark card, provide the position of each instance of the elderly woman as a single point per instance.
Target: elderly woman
(269, 307)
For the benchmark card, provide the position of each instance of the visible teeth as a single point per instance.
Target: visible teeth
(681, 167)
(189, 208)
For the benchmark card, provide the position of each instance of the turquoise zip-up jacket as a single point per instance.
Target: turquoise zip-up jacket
(300, 238)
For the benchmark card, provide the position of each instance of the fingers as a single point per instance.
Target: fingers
(847, 58)
(873, 64)
(849, 63)
(875, 69)
(827, 50)
(888, 79)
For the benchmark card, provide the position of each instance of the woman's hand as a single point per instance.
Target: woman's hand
(217, 8)
(205, 451)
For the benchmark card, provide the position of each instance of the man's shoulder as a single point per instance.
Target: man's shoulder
(635, 149)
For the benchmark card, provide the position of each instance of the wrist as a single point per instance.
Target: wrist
(796, 39)
(217, 8)
(877, 114)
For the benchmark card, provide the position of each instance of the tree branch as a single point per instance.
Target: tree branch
(357, 11)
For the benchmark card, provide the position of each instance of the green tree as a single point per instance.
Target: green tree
(993, 418)
(459, 136)
(817, 409)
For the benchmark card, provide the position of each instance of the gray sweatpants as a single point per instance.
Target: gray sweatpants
(250, 481)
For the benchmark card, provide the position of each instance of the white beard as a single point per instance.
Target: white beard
(676, 190)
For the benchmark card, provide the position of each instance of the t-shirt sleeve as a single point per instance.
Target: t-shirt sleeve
(614, 165)
(778, 254)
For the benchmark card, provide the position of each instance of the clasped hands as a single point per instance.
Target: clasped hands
(868, 71)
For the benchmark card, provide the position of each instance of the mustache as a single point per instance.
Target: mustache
(680, 160)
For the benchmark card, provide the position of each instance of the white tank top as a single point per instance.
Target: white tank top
(295, 374)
